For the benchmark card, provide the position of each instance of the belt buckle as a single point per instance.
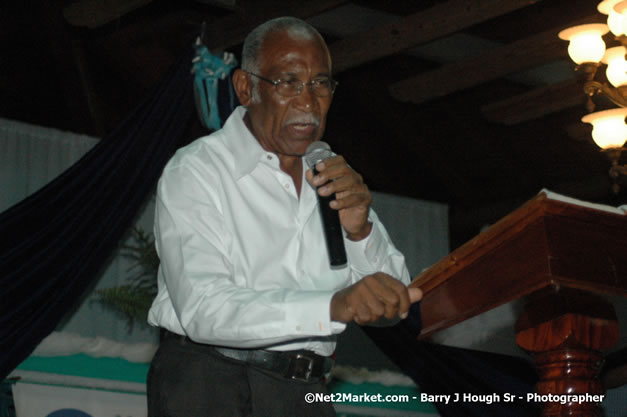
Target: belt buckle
(301, 367)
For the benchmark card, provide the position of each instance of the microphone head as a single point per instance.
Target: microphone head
(316, 152)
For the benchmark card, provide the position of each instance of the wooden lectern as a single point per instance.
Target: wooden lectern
(563, 259)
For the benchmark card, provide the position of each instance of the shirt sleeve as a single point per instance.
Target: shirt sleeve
(376, 253)
(210, 304)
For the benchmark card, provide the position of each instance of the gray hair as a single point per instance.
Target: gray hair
(295, 28)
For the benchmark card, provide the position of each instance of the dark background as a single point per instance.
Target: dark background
(470, 139)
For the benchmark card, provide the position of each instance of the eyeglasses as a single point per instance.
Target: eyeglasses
(292, 87)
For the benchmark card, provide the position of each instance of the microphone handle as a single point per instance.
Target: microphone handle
(332, 230)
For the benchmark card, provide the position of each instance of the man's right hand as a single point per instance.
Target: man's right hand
(374, 296)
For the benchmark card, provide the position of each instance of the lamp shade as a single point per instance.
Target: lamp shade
(616, 66)
(608, 127)
(586, 44)
(621, 11)
(615, 19)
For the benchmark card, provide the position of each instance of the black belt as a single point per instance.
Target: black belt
(302, 365)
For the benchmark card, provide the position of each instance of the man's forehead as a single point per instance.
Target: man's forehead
(292, 46)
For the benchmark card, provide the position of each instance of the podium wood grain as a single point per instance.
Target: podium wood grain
(562, 260)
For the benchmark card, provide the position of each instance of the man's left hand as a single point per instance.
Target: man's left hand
(352, 197)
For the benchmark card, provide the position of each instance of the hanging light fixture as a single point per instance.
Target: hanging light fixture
(615, 16)
(588, 50)
(616, 71)
(586, 45)
(608, 127)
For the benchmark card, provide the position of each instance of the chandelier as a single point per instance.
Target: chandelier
(588, 50)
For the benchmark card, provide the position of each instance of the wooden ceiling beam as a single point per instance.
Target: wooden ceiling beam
(536, 103)
(438, 21)
(231, 30)
(495, 63)
(96, 13)
(225, 32)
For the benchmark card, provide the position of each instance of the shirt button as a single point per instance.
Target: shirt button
(299, 328)
(269, 157)
(287, 186)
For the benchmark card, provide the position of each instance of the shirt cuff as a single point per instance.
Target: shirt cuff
(309, 314)
(367, 255)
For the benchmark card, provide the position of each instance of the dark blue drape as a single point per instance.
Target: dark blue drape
(443, 370)
(53, 243)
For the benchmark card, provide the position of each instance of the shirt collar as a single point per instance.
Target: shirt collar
(243, 145)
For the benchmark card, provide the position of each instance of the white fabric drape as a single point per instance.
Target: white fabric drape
(419, 229)
(31, 156)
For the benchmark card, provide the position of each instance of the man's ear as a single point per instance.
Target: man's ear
(243, 87)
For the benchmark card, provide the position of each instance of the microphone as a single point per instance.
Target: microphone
(317, 152)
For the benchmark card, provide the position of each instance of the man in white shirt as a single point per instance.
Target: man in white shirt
(248, 301)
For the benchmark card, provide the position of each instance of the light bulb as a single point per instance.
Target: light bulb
(586, 44)
(620, 9)
(615, 19)
(616, 66)
(608, 127)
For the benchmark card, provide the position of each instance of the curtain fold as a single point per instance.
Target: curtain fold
(30, 157)
(53, 243)
(444, 370)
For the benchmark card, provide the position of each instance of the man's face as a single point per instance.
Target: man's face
(287, 125)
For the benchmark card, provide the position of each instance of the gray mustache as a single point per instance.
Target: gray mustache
(307, 119)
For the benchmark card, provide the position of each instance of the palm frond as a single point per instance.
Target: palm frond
(134, 299)
(131, 303)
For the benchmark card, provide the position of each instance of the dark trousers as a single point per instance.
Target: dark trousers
(192, 380)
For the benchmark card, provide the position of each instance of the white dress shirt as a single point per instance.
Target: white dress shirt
(243, 258)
